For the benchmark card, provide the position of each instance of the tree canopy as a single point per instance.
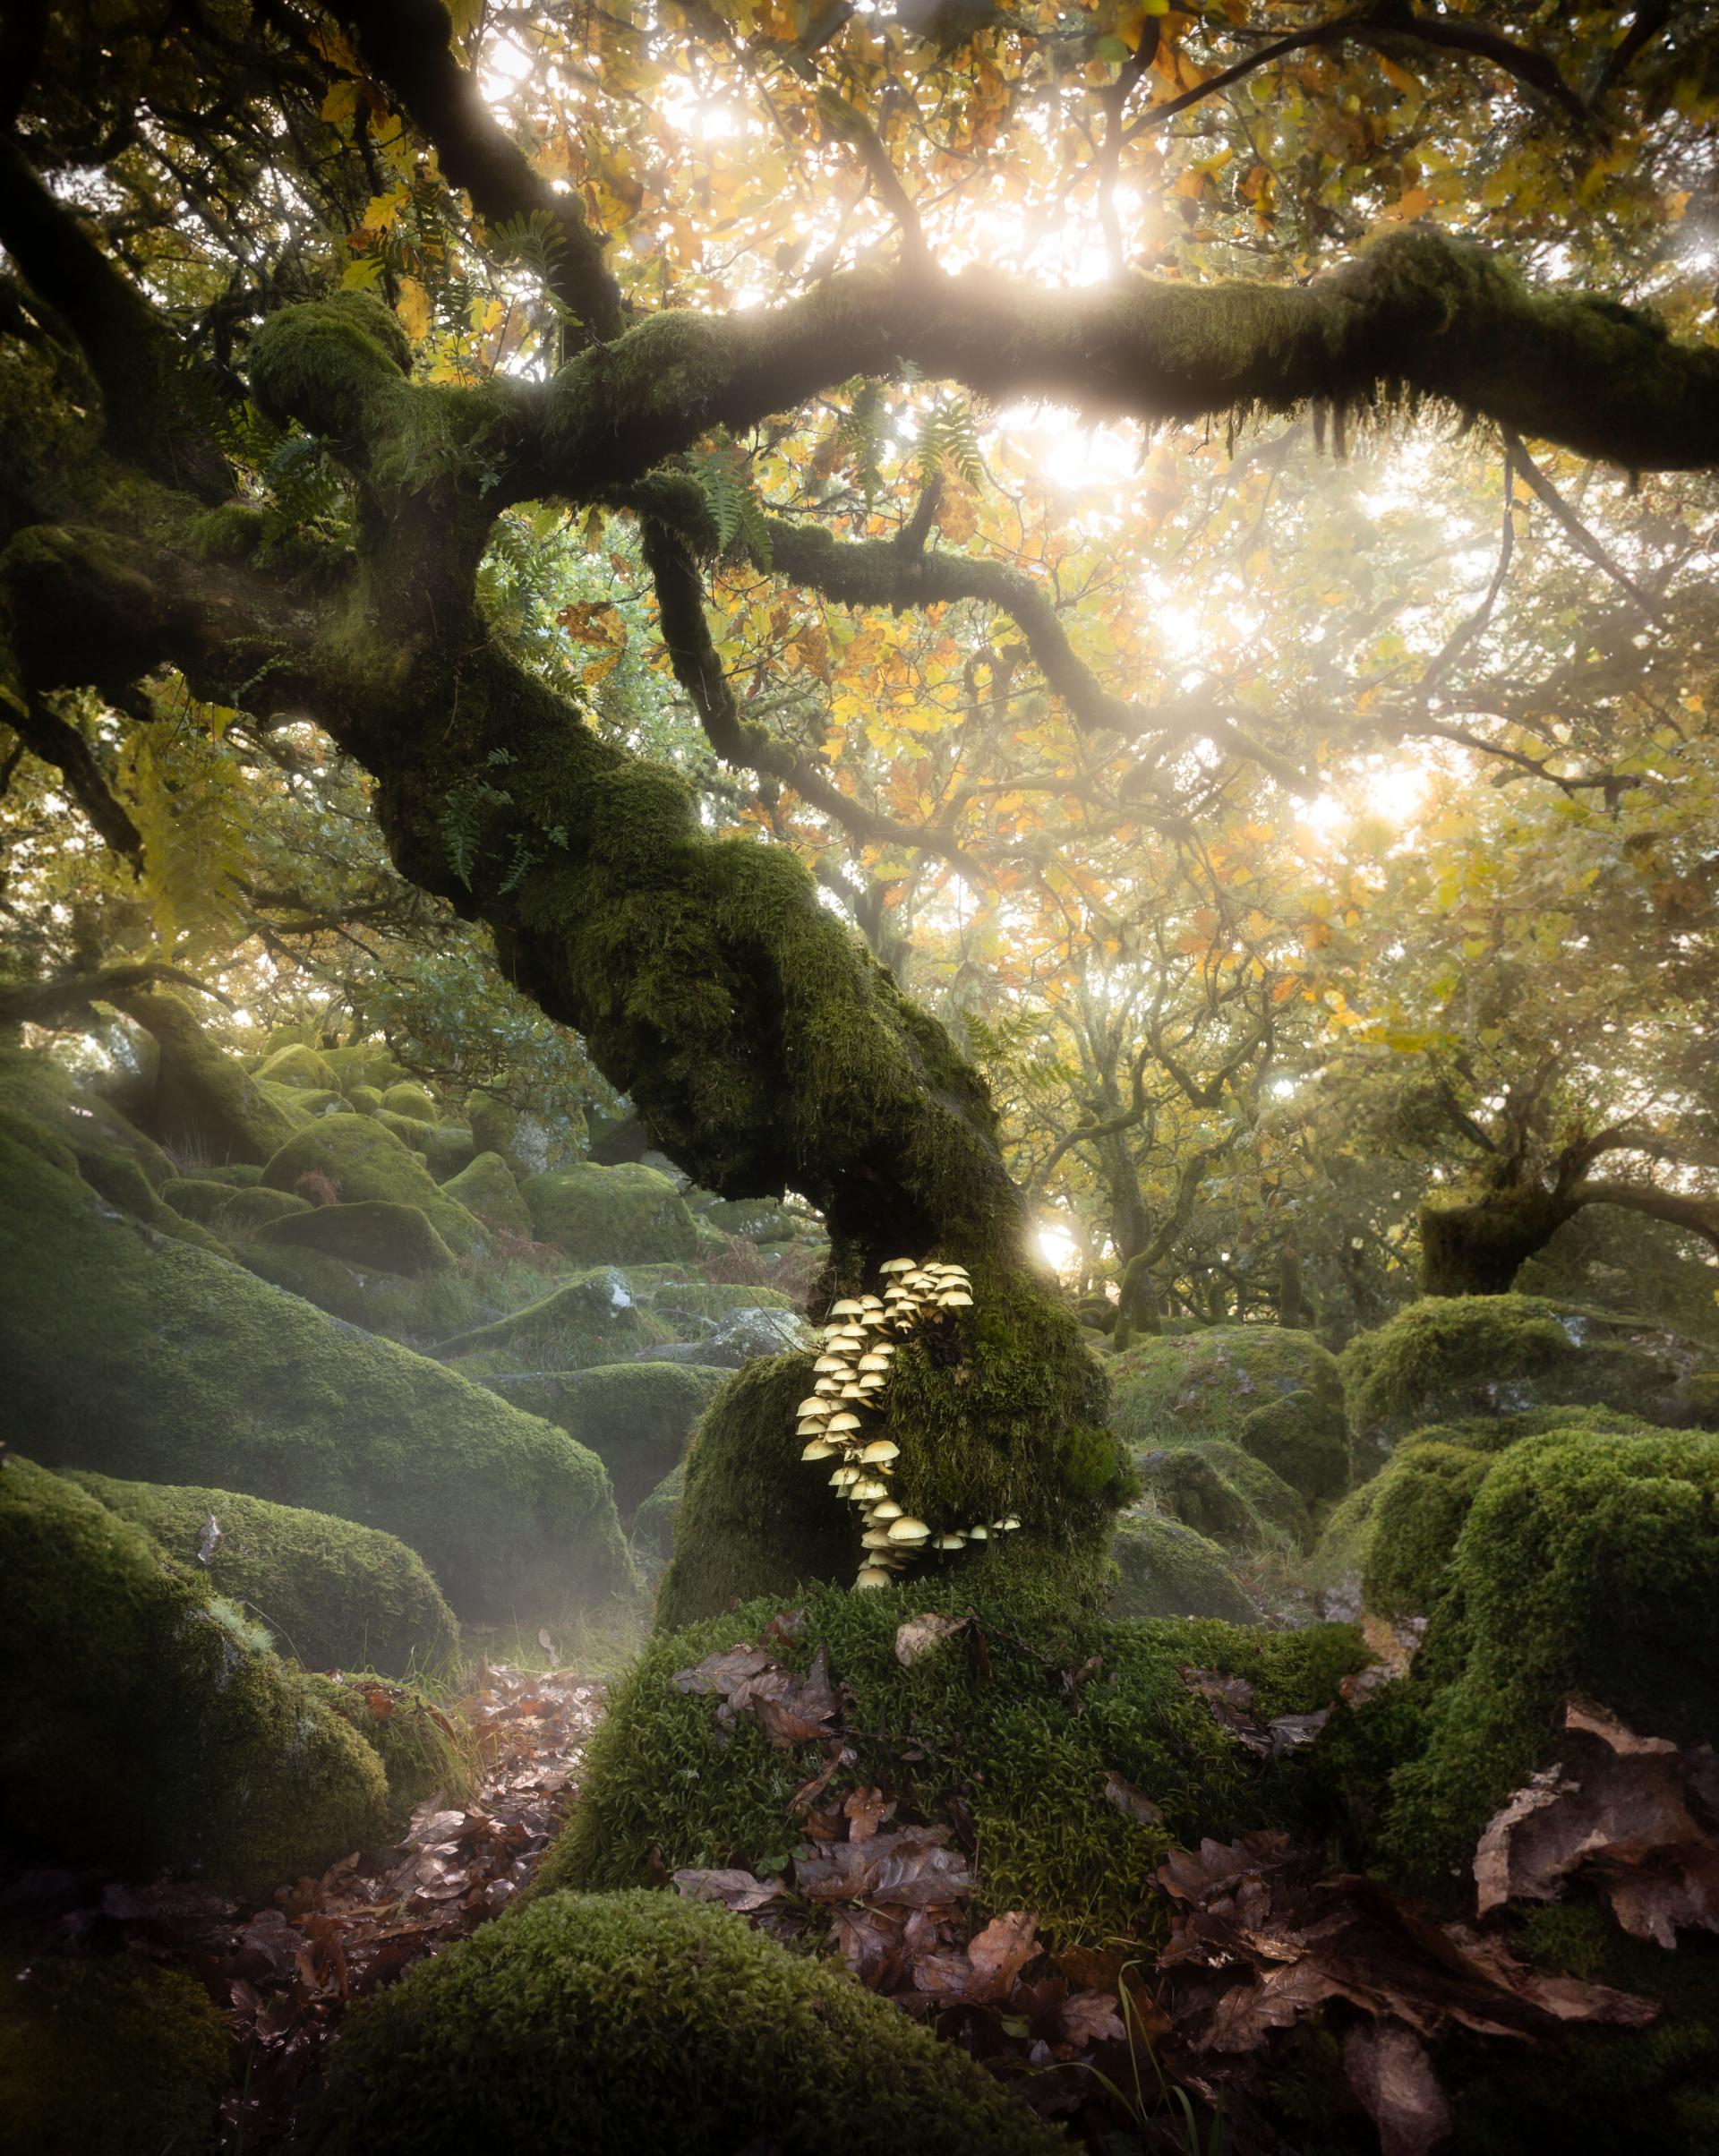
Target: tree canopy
(1192, 525)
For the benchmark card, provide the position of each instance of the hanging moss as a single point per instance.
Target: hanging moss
(370, 1232)
(628, 1215)
(488, 1189)
(167, 1363)
(106, 2057)
(333, 1595)
(608, 2024)
(110, 1653)
(1448, 1357)
(1167, 1569)
(367, 1162)
(1588, 1562)
(1011, 1736)
(636, 1418)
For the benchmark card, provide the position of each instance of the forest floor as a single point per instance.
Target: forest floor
(286, 1970)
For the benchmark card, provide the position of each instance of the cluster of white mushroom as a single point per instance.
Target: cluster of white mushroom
(849, 1379)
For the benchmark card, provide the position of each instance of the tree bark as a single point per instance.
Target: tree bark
(1480, 1247)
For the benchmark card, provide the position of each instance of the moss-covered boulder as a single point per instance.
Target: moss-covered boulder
(110, 1653)
(1225, 1494)
(425, 1749)
(416, 1102)
(300, 1066)
(203, 1099)
(164, 1362)
(366, 1163)
(372, 1233)
(334, 1595)
(1587, 1562)
(364, 1099)
(106, 2056)
(604, 2025)
(1009, 1743)
(1450, 1358)
(446, 1148)
(636, 1418)
(366, 1063)
(1184, 1390)
(715, 1300)
(654, 1521)
(488, 1189)
(229, 1209)
(627, 1215)
(598, 1316)
(1165, 1568)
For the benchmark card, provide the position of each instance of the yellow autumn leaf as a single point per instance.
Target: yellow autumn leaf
(413, 307)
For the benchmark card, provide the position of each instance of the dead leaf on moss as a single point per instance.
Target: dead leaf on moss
(865, 1809)
(735, 1890)
(791, 1710)
(919, 1636)
(1633, 1815)
(1389, 2069)
(1133, 1803)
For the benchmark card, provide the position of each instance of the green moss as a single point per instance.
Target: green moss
(654, 1520)
(1178, 1389)
(1165, 1568)
(1225, 1494)
(446, 1147)
(487, 1188)
(367, 1063)
(370, 1233)
(425, 1750)
(614, 2024)
(300, 1067)
(1587, 1562)
(164, 1363)
(415, 1102)
(107, 2057)
(205, 1099)
(364, 1099)
(628, 1215)
(227, 1209)
(1013, 1738)
(110, 1652)
(494, 1126)
(334, 1595)
(636, 1418)
(1425, 1497)
(365, 1161)
(594, 1317)
(1449, 1357)
(715, 1298)
(1304, 1438)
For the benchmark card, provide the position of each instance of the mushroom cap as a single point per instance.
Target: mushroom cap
(980, 1533)
(909, 1529)
(899, 1265)
(954, 1298)
(818, 1449)
(814, 1403)
(870, 1301)
(880, 1451)
(828, 1388)
(852, 1391)
(848, 1307)
(886, 1508)
(873, 1576)
(868, 1491)
(843, 1477)
(830, 1365)
(845, 1421)
(874, 1538)
(1011, 1523)
(874, 1318)
(873, 1362)
(950, 1541)
(871, 1381)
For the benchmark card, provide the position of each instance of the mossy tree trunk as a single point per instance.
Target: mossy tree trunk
(1480, 1247)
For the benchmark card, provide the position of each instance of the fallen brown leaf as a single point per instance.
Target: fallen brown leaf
(1133, 1803)
(735, 1890)
(920, 1636)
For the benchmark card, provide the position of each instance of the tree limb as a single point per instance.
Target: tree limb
(64, 1001)
(56, 741)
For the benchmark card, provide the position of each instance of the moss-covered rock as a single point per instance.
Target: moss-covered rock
(609, 2025)
(227, 1208)
(1184, 1390)
(366, 1162)
(366, 1063)
(1225, 1494)
(654, 1521)
(109, 1653)
(425, 1750)
(106, 2057)
(628, 1215)
(715, 1299)
(1304, 1438)
(1167, 1569)
(371, 1233)
(488, 1189)
(364, 1099)
(1450, 1358)
(1587, 1562)
(204, 1100)
(299, 1065)
(1019, 1746)
(166, 1364)
(415, 1102)
(597, 1317)
(334, 1595)
(446, 1148)
(636, 1418)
